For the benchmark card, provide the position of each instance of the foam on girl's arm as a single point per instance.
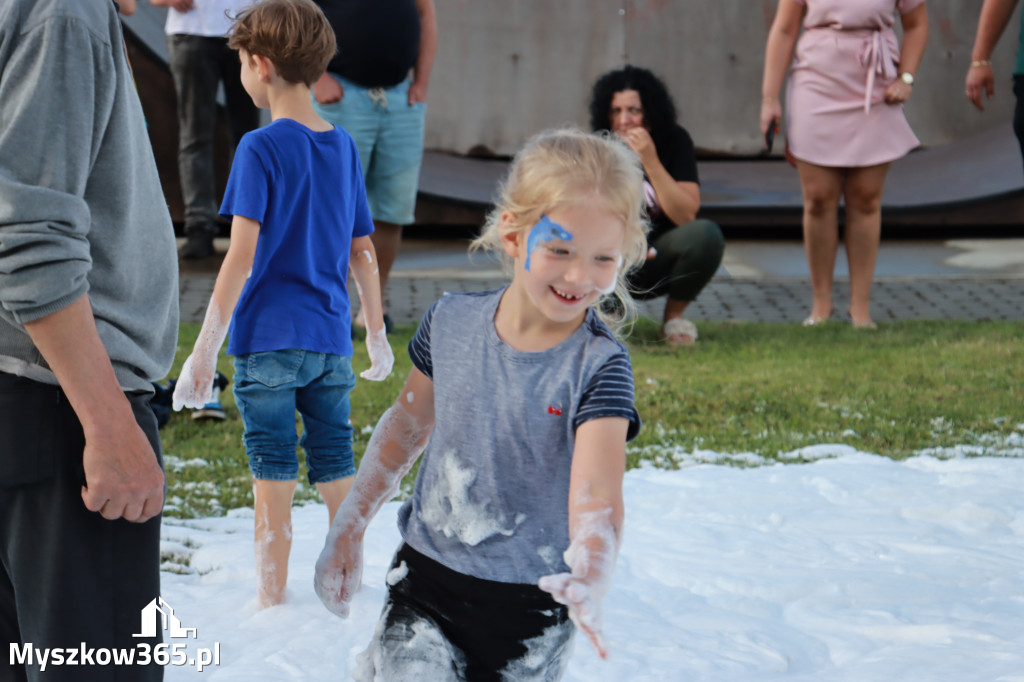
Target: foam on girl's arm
(595, 525)
(398, 439)
(593, 550)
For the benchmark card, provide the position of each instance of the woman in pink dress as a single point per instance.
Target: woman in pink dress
(845, 124)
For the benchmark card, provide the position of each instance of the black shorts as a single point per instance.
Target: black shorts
(442, 625)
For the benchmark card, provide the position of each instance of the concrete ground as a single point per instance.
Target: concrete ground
(759, 281)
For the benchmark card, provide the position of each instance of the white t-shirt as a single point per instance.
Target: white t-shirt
(206, 18)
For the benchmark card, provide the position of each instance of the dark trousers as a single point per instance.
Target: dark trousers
(199, 64)
(1018, 111)
(67, 575)
(688, 257)
(445, 626)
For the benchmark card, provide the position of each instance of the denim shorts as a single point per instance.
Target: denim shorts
(269, 388)
(389, 136)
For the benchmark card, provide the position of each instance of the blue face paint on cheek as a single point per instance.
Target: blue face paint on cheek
(544, 231)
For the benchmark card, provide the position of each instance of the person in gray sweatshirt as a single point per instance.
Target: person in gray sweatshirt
(88, 318)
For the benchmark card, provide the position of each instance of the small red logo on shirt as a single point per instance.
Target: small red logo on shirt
(557, 411)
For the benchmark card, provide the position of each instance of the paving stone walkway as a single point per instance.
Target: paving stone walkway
(760, 299)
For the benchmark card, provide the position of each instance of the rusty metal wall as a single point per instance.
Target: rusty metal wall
(508, 68)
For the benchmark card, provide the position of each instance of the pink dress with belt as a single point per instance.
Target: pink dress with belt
(845, 58)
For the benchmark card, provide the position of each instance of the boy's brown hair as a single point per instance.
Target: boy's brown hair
(293, 34)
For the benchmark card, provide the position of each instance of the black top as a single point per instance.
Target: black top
(679, 158)
(378, 40)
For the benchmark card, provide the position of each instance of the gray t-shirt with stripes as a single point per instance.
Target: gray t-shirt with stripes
(491, 497)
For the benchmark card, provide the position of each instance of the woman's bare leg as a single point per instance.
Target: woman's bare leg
(863, 193)
(821, 187)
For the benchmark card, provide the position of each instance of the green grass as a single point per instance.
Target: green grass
(747, 394)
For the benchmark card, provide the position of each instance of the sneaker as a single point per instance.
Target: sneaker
(213, 410)
(161, 402)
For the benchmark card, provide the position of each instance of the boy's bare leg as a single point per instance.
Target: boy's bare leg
(334, 493)
(273, 538)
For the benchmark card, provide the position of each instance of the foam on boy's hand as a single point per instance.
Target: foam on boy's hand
(382, 359)
(194, 387)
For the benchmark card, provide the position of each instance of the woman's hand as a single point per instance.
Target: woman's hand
(980, 80)
(771, 114)
(898, 92)
(639, 140)
(327, 90)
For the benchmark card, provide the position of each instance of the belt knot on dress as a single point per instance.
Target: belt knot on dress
(877, 57)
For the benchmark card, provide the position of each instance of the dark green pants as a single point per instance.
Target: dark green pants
(688, 257)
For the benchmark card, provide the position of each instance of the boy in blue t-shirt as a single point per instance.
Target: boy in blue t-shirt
(300, 222)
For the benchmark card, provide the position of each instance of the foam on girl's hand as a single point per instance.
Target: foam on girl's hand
(591, 559)
(544, 231)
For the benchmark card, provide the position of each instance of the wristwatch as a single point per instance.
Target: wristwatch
(907, 77)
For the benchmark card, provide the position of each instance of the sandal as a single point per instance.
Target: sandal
(679, 331)
(861, 324)
(813, 320)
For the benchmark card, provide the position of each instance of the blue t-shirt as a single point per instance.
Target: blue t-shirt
(492, 493)
(306, 190)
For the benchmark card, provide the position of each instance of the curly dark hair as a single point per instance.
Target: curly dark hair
(659, 110)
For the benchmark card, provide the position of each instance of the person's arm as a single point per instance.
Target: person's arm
(679, 200)
(195, 385)
(122, 476)
(595, 524)
(777, 53)
(428, 48)
(915, 37)
(995, 15)
(327, 90)
(398, 439)
(46, 162)
(365, 272)
(179, 5)
(126, 7)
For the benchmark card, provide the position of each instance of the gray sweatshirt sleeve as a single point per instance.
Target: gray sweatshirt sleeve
(56, 94)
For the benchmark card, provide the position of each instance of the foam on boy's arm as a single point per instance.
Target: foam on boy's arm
(363, 264)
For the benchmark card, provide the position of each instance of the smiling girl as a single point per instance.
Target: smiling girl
(526, 399)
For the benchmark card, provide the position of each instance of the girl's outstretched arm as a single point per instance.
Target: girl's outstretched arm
(595, 524)
(195, 385)
(399, 438)
(363, 264)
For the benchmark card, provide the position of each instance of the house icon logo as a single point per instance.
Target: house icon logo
(170, 622)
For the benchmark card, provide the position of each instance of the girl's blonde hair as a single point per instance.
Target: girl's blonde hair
(568, 166)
